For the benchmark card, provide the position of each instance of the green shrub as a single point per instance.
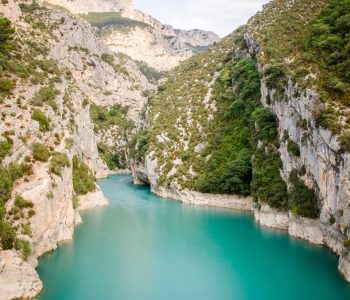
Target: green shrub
(344, 142)
(302, 199)
(6, 86)
(275, 75)
(40, 152)
(111, 159)
(138, 145)
(267, 185)
(44, 122)
(24, 247)
(8, 235)
(83, 179)
(58, 162)
(46, 95)
(267, 127)
(28, 8)
(7, 177)
(293, 148)
(21, 203)
(69, 143)
(5, 149)
(347, 243)
(75, 201)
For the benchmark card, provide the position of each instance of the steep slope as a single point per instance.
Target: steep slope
(263, 113)
(138, 35)
(67, 106)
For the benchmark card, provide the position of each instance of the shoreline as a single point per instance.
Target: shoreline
(309, 230)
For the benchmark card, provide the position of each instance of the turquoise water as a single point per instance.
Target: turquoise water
(143, 247)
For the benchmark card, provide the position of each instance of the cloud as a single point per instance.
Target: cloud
(220, 16)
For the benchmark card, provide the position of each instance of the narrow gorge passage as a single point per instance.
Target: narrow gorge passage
(145, 247)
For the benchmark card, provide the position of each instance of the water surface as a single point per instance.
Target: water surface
(143, 247)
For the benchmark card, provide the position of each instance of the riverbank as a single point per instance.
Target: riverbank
(18, 277)
(306, 229)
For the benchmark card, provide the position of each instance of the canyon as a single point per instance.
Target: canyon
(94, 88)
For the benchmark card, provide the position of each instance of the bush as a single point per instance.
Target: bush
(25, 248)
(302, 200)
(6, 86)
(7, 177)
(111, 159)
(347, 243)
(275, 75)
(83, 179)
(8, 235)
(344, 142)
(293, 148)
(138, 145)
(75, 201)
(267, 185)
(58, 162)
(5, 149)
(46, 95)
(44, 122)
(40, 152)
(21, 203)
(267, 126)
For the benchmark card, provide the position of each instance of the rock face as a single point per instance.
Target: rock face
(17, 278)
(160, 46)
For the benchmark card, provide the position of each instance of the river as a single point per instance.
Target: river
(143, 247)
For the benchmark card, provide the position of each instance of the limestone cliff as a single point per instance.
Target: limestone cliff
(55, 74)
(138, 35)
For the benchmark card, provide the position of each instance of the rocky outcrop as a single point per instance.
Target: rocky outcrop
(271, 218)
(17, 278)
(92, 200)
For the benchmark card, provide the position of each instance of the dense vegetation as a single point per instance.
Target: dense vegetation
(303, 200)
(83, 179)
(313, 51)
(328, 46)
(107, 117)
(6, 44)
(8, 175)
(229, 169)
(112, 160)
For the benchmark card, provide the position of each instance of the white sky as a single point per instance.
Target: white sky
(220, 16)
